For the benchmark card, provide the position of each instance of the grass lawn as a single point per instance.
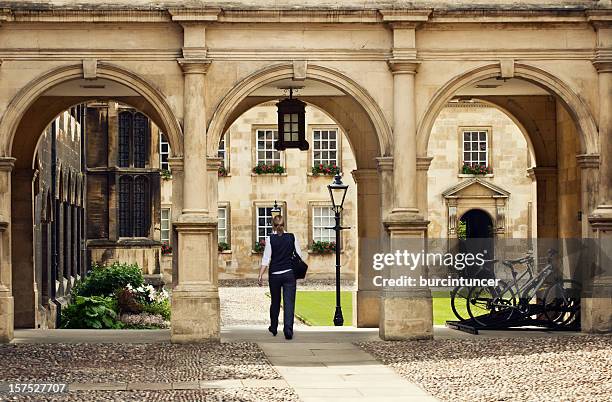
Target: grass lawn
(317, 307)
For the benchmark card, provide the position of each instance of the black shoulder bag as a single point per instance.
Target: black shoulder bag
(298, 266)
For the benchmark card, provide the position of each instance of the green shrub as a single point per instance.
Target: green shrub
(158, 308)
(105, 280)
(91, 312)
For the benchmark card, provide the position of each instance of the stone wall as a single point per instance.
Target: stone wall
(509, 160)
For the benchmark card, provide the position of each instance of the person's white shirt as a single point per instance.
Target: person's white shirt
(267, 254)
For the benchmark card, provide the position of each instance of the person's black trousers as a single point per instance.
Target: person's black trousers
(287, 283)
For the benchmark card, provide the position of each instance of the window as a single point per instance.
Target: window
(475, 147)
(165, 225)
(133, 135)
(222, 225)
(164, 153)
(264, 222)
(222, 151)
(133, 206)
(266, 154)
(325, 147)
(322, 218)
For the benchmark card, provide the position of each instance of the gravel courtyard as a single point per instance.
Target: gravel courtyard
(555, 368)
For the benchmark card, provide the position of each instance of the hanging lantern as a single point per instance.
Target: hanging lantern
(291, 124)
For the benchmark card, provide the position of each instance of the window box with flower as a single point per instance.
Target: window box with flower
(222, 171)
(263, 168)
(476, 169)
(259, 246)
(223, 246)
(166, 249)
(322, 247)
(165, 174)
(325, 170)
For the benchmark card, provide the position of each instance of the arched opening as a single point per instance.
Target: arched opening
(340, 111)
(518, 167)
(46, 133)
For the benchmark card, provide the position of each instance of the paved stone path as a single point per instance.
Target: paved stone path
(339, 372)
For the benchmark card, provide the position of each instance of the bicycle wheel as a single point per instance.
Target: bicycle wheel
(561, 303)
(459, 300)
(488, 303)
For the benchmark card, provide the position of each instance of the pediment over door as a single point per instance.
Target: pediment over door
(480, 194)
(475, 188)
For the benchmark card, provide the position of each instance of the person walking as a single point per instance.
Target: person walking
(277, 254)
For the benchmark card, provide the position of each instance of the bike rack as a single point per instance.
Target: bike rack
(496, 322)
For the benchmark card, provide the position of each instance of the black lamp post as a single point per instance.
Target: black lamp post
(337, 192)
(275, 210)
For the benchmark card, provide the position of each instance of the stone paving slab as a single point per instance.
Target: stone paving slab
(346, 373)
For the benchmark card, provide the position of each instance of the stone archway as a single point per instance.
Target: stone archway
(369, 134)
(583, 118)
(17, 140)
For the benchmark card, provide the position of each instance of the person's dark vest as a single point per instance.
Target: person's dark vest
(282, 250)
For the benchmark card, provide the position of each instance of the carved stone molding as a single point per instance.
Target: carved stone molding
(176, 164)
(603, 65)
(194, 66)
(384, 163)
(403, 66)
(588, 161)
(363, 175)
(423, 162)
(213, 163)
(191, 15)
(7, 163)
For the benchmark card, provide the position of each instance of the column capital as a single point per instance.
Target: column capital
(403, 66)
(194, 66)
(363, 175)
(408, 225)
(176, 163)
(603, 65)
(423, 162)
(213, 163)
(7, 163)
(3, 223)
(384, 163)
(588, 161)
(541, 172)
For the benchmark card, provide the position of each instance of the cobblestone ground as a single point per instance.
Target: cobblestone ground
(556, 368)
(111, 364)
(209, 395)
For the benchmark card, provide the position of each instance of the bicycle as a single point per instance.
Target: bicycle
(459, 294)
(560, 304)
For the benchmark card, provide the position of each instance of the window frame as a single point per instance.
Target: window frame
(225, 159)
(254, 129)
(162, 142)
(255, 215)
(318, 204)
(131, 163)
(161, 223)
(489, 143)
(322, 127)
(133, 178)
(228, 223)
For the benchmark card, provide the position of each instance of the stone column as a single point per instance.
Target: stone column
(404, 137)
(195, 298)
(589, 182)
(366, 303)
(405, 312)
(6, 296)
(545, 178)
(422, 166)
(176, 167)
(597, 301)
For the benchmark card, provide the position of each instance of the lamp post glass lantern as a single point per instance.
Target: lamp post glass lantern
(291, 124)
(275, 210)
(337, 193)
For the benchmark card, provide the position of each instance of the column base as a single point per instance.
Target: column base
(366, 309)
(7, 318)
(406, 315)
(195, 316)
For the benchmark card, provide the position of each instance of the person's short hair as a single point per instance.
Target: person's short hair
(278, 224)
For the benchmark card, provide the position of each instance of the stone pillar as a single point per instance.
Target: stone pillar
(404, 137)
(589, 182)
(597, 302)
(406, 312)
(422, 166)
(176, 167)
(366, 303)
(195, 297)
(6, 296)
(546, 201)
